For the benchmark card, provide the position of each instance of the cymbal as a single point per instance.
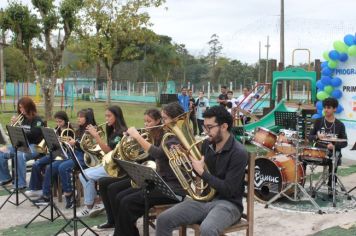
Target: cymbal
(333, 140)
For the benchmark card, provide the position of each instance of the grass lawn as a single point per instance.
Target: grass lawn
(133, 113)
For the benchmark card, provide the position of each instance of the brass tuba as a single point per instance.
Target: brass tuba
(127, 149)
(92, 152)
(179, 159)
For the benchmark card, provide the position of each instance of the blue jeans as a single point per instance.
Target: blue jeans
(64, 170)
(36, 172)
(21, 164)
(93, 174)
(214, 217)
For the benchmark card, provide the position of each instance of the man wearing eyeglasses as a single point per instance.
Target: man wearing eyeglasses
(226, 160)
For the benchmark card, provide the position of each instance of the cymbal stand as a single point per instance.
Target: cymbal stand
(295, 184)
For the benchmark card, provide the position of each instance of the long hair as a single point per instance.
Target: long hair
(62, 115)
(120, 123)
(157, 133)
(89, 120)
(29, 106)
(173, 110)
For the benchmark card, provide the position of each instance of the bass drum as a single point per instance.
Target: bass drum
(273, 174)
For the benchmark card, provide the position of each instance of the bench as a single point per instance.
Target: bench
(246, 222)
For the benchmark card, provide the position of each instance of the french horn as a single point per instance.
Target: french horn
(92, 151)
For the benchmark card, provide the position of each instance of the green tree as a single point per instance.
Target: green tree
(215, 48)
(16, 66)
(112, 31)
(27, 27)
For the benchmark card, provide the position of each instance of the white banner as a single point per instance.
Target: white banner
(347, 73)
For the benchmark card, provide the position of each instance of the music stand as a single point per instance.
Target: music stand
(149, 180)
(75, 219)
(55, 148)
(19, 142)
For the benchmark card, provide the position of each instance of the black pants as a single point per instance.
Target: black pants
(200, 126)
(194, 121)
(109, 187)
(130, 206)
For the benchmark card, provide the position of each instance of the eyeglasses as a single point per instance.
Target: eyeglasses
(208, 128)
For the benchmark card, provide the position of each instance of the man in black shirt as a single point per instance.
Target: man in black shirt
(226, 160)
(222, 99)
(329, 126)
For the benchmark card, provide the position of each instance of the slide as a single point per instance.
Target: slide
(268, 120)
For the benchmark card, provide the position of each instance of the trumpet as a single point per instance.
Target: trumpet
(19, 119)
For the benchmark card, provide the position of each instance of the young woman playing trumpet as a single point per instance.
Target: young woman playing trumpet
(63, 168)
(31, 123)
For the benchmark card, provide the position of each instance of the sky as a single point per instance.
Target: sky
(242, 24)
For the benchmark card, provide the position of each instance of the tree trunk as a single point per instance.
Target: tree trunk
(108, 87)
(97, 78)
(48, 92)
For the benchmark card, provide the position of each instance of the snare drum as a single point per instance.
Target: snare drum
(285, 148)
(314, 154)
(273, 174)
(264, 138)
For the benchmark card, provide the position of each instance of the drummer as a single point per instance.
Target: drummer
(329, 126)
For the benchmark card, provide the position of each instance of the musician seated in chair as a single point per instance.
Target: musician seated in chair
(329, 126)
(35, 186)
(115, 127)
(109, 187)
(31, 124)
(226, 159)
(63, 167)
(129, 204)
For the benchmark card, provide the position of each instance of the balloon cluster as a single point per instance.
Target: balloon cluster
(328, 85)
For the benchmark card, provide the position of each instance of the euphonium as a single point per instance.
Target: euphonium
(179, 158)
(127, 149)
(92, 152)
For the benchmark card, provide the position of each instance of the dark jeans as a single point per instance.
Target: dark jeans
(200, 126)
(194, 121)
(130, 206)
(109, 187)
(36, 173)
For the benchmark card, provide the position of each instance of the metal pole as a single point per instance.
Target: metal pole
(282, 33)
(259, 62)
(267, 46)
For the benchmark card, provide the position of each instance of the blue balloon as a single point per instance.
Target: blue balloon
(343, 57)
(319, 105)
(336, 93)
(316, 116)
(320, 85)
(320, 112)
(349, 39)
(326, 71)
(339, 109)
(324, 64)
(334, 55)
(336, 82)
(326, 80)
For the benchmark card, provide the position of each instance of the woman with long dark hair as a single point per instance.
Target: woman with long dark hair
(115, 127)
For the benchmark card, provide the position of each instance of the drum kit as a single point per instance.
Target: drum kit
(280, 173)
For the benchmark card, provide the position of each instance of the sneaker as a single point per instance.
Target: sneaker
(5, 182)
(96, 210)
(84, 212)
(43, 201)
(34, 193)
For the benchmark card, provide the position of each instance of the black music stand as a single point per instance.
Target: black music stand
(75, 219)
(19, 142)
(149, 180)
(352, 149)
(55, 148)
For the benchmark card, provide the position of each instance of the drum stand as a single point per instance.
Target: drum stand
(297, 187)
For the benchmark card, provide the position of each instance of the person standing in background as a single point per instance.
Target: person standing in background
(222, 99)
(192, 116)
(183, 99)
(202, 104)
